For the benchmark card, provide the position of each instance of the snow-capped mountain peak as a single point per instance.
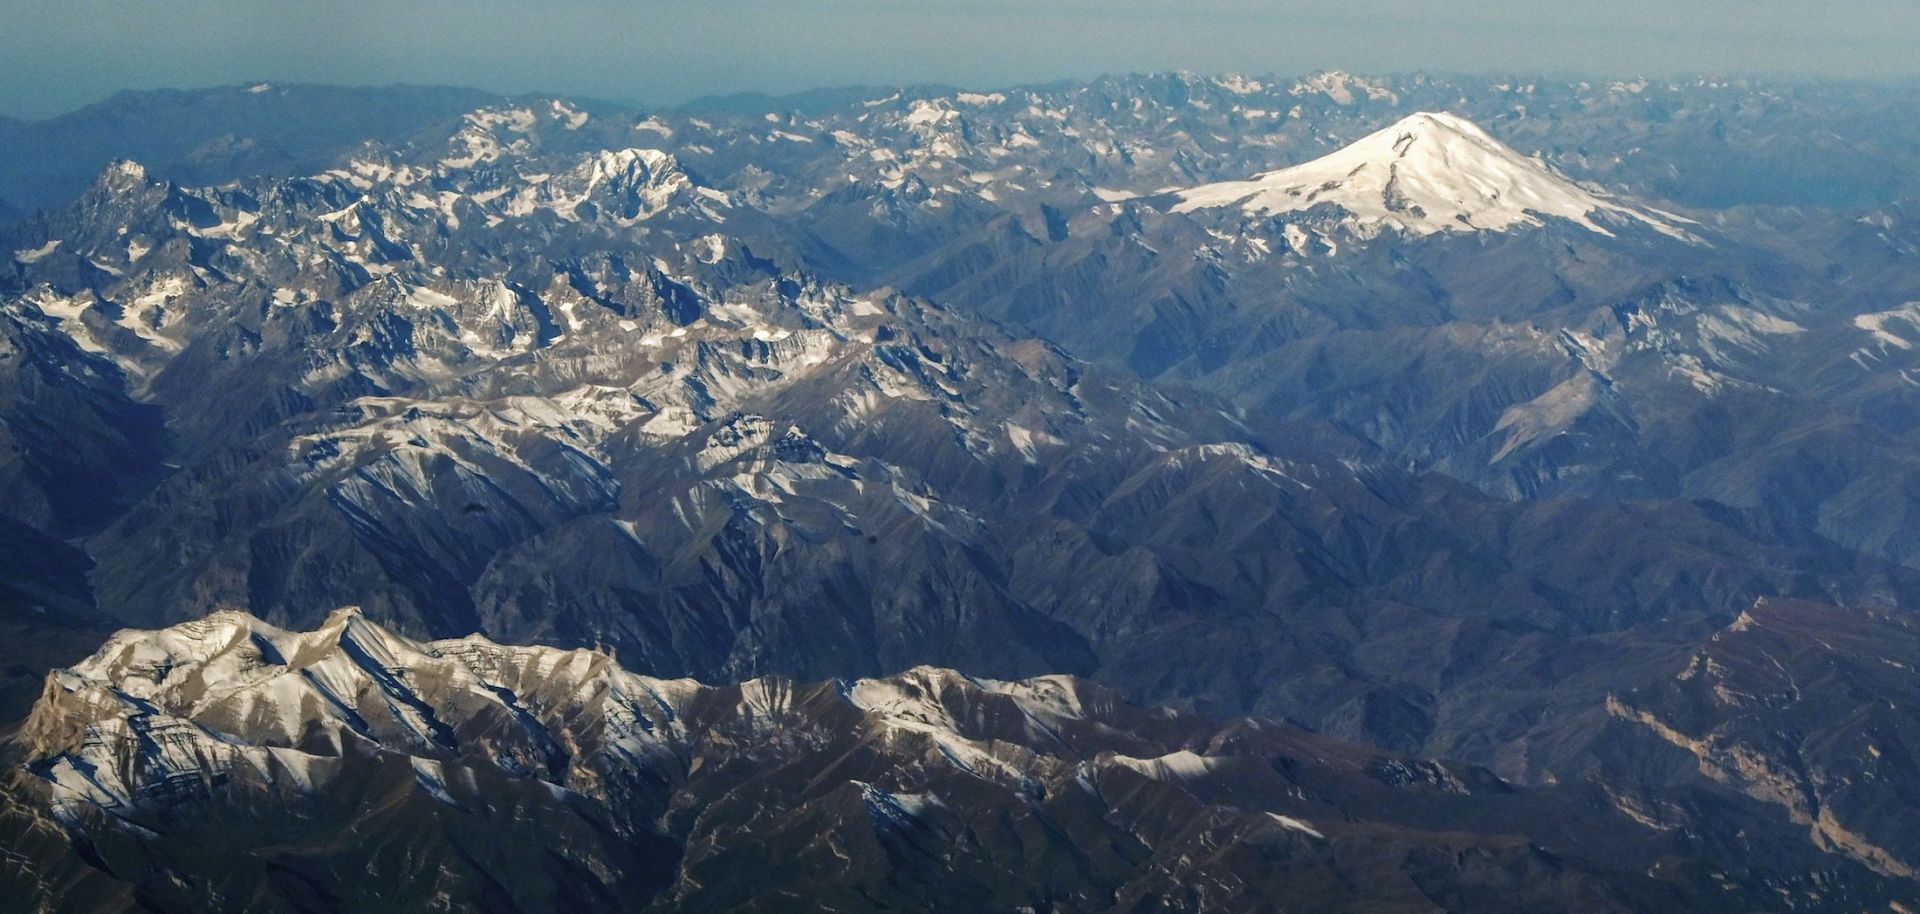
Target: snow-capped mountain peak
(1429, 172)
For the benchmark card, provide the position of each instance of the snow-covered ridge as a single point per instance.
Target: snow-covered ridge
(157, 715)
(1428, 173)
(1344, 88)
(230, 694)
(618, 186)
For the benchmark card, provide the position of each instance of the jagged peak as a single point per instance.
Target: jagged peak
(122, 176)
(631, 157)
(344, 614)
(1342, 87)
(127, 168)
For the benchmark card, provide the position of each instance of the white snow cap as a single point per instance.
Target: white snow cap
(1430, 172)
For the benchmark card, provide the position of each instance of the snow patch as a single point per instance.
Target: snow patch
(35, 255)
(1183, 765)
(1881, 325)
(1289, 822)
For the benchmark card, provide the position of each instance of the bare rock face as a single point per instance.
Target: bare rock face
(218, 764)
(1800, 706)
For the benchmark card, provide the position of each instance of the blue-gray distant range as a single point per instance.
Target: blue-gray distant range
(63, 55)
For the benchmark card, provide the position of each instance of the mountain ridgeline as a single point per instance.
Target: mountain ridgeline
(475, 775)
(1196, 494)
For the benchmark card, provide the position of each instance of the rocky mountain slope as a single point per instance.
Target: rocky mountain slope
(487, 777)
(1543, 345)
(582, 397)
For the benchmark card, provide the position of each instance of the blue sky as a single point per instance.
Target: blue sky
(58, 54)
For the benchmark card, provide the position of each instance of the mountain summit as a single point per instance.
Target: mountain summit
(1429, 172)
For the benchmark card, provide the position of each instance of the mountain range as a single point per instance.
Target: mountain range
(478, 776)
(1411, 493)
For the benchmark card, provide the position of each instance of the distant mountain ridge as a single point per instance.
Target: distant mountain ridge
(48, 161)
(213, 135)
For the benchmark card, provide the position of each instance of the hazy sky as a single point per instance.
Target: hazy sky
(58, 54)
